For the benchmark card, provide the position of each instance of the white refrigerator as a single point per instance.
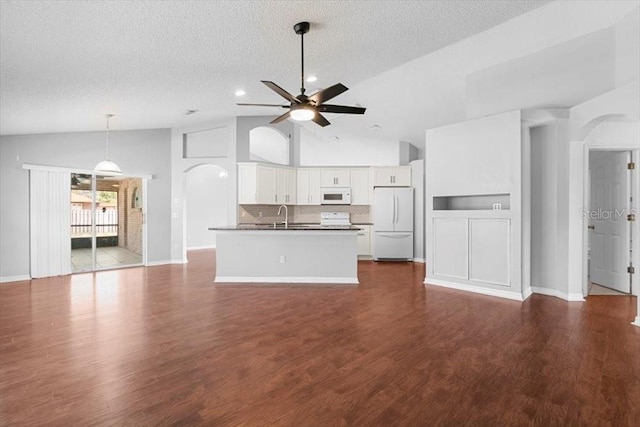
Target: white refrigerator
(393, 223)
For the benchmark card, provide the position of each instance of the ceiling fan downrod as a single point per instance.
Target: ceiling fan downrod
(302, 28)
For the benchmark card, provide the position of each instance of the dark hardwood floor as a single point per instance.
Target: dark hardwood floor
(165, 346)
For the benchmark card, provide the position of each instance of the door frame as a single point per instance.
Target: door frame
(635, 193)
(143, 177)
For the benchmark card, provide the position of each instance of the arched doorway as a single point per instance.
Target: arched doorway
(206, 204)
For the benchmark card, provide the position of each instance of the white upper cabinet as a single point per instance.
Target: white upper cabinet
(360, 188)
(335, 178)
(395, 176)
(265, 185)
(286, 186)
(308, 187)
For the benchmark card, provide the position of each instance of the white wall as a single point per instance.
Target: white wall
(417, 181)
(627, 63)
(316, 149)
(136, 152)
(206, 199)
(559, 76)
(549, 231)
(266, 144)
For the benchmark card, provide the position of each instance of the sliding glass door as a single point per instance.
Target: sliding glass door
(106, 222)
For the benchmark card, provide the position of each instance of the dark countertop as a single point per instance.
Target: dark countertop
(280, 227)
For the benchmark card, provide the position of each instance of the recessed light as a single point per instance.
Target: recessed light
(311, 79)
(240, 92)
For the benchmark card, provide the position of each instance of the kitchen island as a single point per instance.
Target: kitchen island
(296, 254)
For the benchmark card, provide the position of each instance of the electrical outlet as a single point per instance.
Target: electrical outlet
(283, 259)
(497, 206)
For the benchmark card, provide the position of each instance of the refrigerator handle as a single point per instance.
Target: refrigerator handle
(393, 220)
(396, 203)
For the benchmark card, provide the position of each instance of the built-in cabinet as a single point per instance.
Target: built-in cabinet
(308, 186)
(394, 176)
(335, 177)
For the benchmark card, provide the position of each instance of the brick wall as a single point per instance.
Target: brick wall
(129, 217)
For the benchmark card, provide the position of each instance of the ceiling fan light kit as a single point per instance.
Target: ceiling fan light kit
(303, 107)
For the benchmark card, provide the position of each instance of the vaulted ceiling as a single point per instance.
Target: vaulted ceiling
(64, 64)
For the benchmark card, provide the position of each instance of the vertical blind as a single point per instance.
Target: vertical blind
(50, 223)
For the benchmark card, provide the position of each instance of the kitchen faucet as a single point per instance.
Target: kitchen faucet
(286, 215)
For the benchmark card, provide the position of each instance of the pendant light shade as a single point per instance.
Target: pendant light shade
(107, 167)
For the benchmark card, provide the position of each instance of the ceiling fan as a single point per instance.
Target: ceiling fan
(303, 107)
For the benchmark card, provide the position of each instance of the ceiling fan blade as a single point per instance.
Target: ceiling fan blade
(281, 118)
(328, 93)
(283, 93)
(328, 108)
(320, 120)
(261, 105)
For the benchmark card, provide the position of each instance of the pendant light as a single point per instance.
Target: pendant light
(107, 167)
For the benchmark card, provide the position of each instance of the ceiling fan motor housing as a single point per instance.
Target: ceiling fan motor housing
(301, 27)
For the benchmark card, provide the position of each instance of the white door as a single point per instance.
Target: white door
(404, 209)
(609, 228)
(383, 209)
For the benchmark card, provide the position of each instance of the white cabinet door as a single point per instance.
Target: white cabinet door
(399, 176)
(360, 187)
(314, 187)
(335, 178)
(303, 177)
(364, 240)
(292, 187)
(247, 191)
(266, 187)
(308, 187)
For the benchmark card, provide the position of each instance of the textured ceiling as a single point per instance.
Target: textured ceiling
(64, 64)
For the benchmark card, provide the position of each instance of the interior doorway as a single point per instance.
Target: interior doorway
(107, 222)
(610, 220)
(206, 204)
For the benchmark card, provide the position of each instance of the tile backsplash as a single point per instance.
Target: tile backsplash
(257, 214)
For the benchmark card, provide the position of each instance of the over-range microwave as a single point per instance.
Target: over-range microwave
(335, 196)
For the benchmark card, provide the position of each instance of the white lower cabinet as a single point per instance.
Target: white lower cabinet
(364, 241)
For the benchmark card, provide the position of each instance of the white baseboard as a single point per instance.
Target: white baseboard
(164, 262)
(195, 248)
(6, 279)
(516, 296)
(558, 294)
(526, 293)
(636, 322)
(258, 280)
(419, 260)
